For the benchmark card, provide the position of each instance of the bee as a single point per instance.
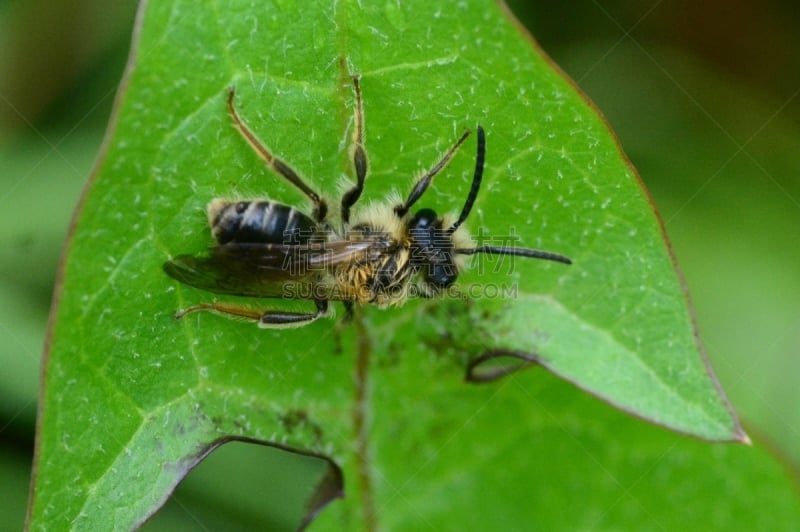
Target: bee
(382, 255)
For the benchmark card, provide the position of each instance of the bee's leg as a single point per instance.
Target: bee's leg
(359, 156)
(276, 319)
(276, 164)
(422, 183)
(267, 319)
(348, 312)
(221, 308)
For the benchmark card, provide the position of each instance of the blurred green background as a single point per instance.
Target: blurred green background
(705, 98)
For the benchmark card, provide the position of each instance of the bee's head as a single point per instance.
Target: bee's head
(432, 249)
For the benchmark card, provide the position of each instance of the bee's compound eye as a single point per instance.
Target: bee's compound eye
(423, 218)
(241, 207)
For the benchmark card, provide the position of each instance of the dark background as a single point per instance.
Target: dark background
(705, 98)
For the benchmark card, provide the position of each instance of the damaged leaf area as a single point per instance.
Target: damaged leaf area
(132, 399)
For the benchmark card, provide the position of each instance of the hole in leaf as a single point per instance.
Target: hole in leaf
(496, 364)
(241, 486)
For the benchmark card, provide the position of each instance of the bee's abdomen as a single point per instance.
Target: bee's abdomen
(260, 221)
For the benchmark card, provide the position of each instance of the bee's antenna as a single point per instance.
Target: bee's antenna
(517, 252)
(476, 182)
(473, 193)
(422, 184)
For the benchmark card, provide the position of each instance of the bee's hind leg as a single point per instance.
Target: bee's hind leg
(270, 319)
(276, 319)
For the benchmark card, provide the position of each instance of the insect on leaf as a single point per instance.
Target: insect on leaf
(132, 399)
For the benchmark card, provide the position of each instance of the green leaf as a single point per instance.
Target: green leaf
(531, 450)
(133, 399)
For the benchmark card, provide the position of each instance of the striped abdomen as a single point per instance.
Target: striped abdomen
(258, 221)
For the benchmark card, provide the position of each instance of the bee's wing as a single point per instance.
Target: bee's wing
(298, 271)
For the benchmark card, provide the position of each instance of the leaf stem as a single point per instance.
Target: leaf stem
(361, 377)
